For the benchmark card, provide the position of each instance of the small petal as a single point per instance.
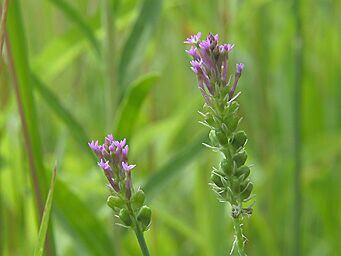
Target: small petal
(239, 68)
(193, 39)
(109, 139)
(127, 167)
(125, 151)
(104, 165)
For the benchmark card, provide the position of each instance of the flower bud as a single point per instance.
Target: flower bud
(243, 172)
(233, 107)
(137, 199)
(213, 138)
(240, 158)
(239, 139)
(216, 179)
(226, 166)
(115, 202)
(125, 217)
(235, 185)
(144, 217)
(233, 123)
(221, 137)
(247, 191)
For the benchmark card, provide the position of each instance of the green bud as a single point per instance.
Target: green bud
(235, 185)
(233, 123)
(239, 139)
(144, 217)
(137, 199)
(213, 138)
(246, 192)
(240, 158)
(115, 202)
(233, 107)
(216, 179)
(221, 137)
(226, 165)
(243, 172)
(125, 217)
(210, 121)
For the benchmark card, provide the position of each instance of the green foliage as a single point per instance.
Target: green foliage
(39, 249)
(61, 79)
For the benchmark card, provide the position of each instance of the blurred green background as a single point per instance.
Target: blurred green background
(84, 69)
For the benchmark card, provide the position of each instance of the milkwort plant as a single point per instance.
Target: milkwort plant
(125, 201)
(220, 114)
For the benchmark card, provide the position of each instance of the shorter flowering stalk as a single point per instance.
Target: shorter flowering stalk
(125, 201)
(230, 180)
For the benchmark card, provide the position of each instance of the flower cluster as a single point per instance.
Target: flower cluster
(230, 180)
(128, 203)
(210, 64)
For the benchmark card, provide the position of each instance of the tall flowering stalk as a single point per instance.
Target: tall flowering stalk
(220, 114)
(126, 202)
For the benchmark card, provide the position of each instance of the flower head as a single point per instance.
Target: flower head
(127, 167)
(210, 64)
(120, 144)
(193, 39)
(104, 165)
(193, 51)
(239, 68)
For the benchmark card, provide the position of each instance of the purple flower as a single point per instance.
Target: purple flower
(193, 51)
(104, 165)
(225, 48)
(97, 149)
(111, 148)
(210, 64)
(193, 39)
(120, 144)
(127, 167)
(197, 66)
(205, 45)
(125, 151)
(239, 68)
(109, 139)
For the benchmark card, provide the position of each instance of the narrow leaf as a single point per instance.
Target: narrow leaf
(75, 17)
(134, 46)
(81, 222)
(46, 217)
(173, 167)
(131, 104)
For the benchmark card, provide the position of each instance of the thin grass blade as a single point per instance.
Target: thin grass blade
(39, 250)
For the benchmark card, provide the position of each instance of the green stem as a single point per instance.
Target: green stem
(142, 241)
(239, 236)
(298, 65)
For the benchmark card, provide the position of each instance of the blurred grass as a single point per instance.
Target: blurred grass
(76, 86)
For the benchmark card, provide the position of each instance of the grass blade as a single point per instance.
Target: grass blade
(46, 217)
(140, 33)
(175, 165)
(68, 119)
(75, 17)
(131, 104)
(78, 219)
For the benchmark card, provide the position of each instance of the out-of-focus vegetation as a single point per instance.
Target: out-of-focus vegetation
(83, 69)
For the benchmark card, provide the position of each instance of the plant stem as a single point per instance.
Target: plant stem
(239, 236)
(298, 64)
(142, 241)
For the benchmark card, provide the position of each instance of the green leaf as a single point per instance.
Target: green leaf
(46, 217)
(23, 84)
(67, 118)
(131, 104)
(137, 40)
(81, 222)
(75, 17)
(173, 167)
